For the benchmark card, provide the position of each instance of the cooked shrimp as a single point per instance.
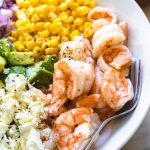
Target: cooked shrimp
(109, 35)
(104, 13)
(118, 57)
(72, 78)
(124, 27)
(56, 108)
(116, 89)
(99, 23)
(70, 137)
(96, 87)
(91, 101)
(76, 50)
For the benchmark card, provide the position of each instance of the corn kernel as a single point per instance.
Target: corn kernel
(47, 25)
(34, 2)
(92, 4)
(52, 16)
(43, 9)
(18, 23)
(81, 28)
(87, 32)
(14, 33)
(63, 16)
(63, 6)
(52, 2)
(74, 34)
(30, 45)
(53, 42)
(55, 28)
(39, 26)
(57, 20)
(44, 34)
(80, 2)
(87, 24)
(21, 38)
(64, 32)
(73, 5)
(73, 13)
(78, 21)
(82, 10)
(52, 8)
(70, 19)
(21, 29)
(11, 39)
(50, 50)
(38, 53)
(19, 46)
(64, 39)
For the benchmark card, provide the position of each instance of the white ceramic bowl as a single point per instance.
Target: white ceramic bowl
(118, 132)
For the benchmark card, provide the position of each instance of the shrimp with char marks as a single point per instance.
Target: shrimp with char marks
(73, 127)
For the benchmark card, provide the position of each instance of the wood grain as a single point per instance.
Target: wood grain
(141, 139)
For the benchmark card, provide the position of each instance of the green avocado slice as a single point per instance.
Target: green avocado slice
(2, 63)
(19, 58)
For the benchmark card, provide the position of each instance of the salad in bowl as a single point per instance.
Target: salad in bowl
(64, 68)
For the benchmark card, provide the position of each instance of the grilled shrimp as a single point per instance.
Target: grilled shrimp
(112, 90)
(104, 13)
(71, 79)
(77, 78)
(73, 127)
(116, 89)
(117, 57)
(99, 23)
(91, 101)
(76, 50)
(107, 36)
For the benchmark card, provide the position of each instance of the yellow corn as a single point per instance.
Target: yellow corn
(42, 25)
(50, 50)
(19, 46)
(30, 45)
(87, 32)
(74, 34)
(78, 21)
(82, 10)
(44, 34)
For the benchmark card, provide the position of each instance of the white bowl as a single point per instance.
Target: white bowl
(118, 132)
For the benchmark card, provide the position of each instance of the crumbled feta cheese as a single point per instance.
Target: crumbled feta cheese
(33, 141)
(21, 110)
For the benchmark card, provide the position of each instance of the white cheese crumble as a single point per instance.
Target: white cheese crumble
(21, 110)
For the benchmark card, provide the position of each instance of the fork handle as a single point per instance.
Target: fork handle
(94, 136)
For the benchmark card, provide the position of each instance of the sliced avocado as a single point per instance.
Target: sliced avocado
(1, 84)
(18, 70)
(48, 63)
(39, 76)
(19, 58)
(2, 63)
(6, 46)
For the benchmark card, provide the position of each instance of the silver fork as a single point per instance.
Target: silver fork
(135, 76)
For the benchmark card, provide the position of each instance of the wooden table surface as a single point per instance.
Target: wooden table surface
(141, 139)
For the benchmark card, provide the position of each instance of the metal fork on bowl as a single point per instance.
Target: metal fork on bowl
(135, 76)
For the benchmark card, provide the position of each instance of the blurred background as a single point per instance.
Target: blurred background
(141, 139)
